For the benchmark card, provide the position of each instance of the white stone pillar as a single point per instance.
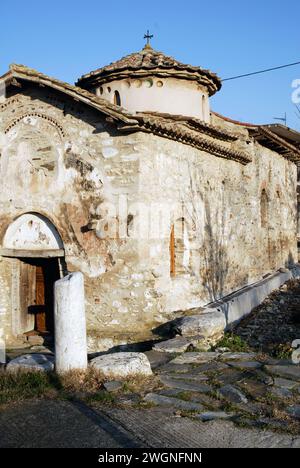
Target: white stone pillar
(70, 323)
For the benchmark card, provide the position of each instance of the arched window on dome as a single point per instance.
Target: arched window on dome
(203, 102)
(117, 98)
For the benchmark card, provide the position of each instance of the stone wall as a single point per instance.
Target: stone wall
(227, 246)
(104, 192)
(65, 162)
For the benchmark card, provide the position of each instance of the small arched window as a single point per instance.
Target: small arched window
(264, 202)
(117, 98)
(203, 103)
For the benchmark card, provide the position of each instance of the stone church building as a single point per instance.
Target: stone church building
(130, 178)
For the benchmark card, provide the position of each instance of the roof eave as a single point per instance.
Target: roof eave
(264, 135)
(25, 74)
(204, 78)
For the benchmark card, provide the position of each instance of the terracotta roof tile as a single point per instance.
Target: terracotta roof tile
(151, 61)
(212, 139)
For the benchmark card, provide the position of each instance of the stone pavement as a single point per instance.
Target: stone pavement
(195, 399)
(67, 424)
(251, 390)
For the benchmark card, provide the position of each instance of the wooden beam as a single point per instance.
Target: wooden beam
(18, 253)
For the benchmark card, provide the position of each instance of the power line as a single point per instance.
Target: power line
(261, 71)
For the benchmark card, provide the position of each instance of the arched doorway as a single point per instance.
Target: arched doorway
(35, 250)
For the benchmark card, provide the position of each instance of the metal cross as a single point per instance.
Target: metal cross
(148, 36)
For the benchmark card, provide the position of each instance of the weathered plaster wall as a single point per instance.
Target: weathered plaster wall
(66, 162)
(227, 247)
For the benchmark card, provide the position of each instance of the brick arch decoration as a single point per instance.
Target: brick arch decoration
(59, 128)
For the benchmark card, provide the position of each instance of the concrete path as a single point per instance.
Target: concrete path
(43, 424)
(46, 423)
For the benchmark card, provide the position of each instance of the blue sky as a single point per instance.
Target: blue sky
(67, 38)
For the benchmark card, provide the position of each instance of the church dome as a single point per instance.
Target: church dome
(149, 61)
(150, 81)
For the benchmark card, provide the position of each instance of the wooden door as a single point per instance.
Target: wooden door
(40, 300)
(24, 278)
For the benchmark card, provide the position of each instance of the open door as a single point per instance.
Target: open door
(46, 272)
(40, 317)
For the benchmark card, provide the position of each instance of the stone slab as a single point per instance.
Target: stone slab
(175, 403)
(286, 371)
(179, 344)
(32, 362)
(122, 365)
(212, 415)
(195, 358)
(294, 411)
(210, 323)
(113, 386)
(185, 385)
(240, 356)
(233, 394)
(285, 383)
(245, 364)
(280, 392)
(188, 376)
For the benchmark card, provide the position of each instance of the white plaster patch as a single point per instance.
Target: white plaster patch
(114, 322)
(137, 276)
(130, 157)
(147, 295)
(155, 250)
(109, 152)
(95, 176)
(108, 142)
(31, 231)
(133, 294)
(84, 133)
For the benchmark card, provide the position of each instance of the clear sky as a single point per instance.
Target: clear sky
(66, 39)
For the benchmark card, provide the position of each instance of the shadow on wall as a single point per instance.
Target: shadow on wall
(215, 253)
(290, 262)
(210, 225)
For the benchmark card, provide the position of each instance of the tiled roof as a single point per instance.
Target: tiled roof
(193, 132)
(150, 62)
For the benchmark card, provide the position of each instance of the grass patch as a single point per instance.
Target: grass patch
(233, 342)
(141, 384)
(83, 381)
(188, 413)
(23, 385)
(282, 351)
(186, 396)
(101, 397)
